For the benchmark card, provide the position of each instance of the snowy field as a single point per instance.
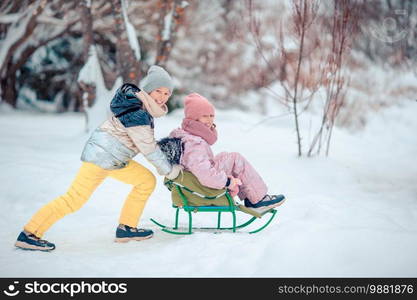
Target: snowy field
(353, 214)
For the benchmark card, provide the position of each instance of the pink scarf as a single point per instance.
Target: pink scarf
(199, 129)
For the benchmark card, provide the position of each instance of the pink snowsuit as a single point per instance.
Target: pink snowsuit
(213, 171)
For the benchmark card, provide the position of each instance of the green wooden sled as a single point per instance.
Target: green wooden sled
(190, 196)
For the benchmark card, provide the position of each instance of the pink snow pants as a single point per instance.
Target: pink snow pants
(234, 164)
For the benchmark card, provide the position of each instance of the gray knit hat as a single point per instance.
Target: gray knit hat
(157, 77)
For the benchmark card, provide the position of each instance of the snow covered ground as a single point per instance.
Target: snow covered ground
(353, 214)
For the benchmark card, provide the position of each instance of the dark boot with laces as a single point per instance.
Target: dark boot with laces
(29, 241)
(268, 201)
(126, 233)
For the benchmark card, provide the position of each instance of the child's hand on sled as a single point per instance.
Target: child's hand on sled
(176, 169)
(234, 182)
(234, 186)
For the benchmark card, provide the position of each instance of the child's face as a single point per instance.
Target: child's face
(207, 120)
(160, 95)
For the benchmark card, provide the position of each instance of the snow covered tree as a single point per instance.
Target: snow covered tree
(88, 89)
(171, 17)
(127, 46)
(26, 27)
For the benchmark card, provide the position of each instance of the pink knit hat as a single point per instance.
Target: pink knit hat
(196, 106)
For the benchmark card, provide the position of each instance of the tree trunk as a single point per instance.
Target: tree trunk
(87, 22)
(171, 16)
(302, 19)
(8, 89)
(88, 92)
(127, 65)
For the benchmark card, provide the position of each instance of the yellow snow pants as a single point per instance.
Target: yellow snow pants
(86, 181)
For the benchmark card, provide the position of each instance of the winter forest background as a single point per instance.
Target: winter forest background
(323, 94)
(342, 59)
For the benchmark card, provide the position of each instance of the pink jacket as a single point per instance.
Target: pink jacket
(198, 158)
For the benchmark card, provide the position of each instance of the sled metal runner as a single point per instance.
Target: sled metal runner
(231, 208)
